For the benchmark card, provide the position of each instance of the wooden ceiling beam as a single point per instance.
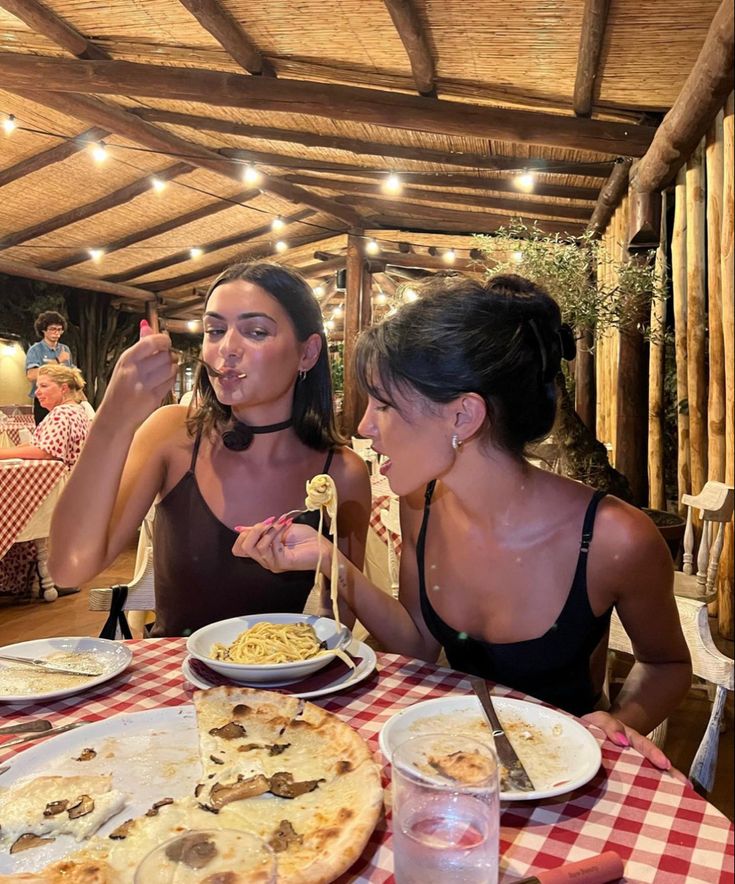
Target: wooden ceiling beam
(612, 192)
(374, 106)
(253, 253)
(423, 262)
(176, 307)
(73, 280)
(149, 232)
(368, 148)
(229, 33)
(465, 223)
(594, 22)
(323, 268)
(43, 21)
(79, 213)
(119, 121)
(469, 182)
(56, 154)
(703, 94)
(208, 248)
(410, 30)
(518, 206)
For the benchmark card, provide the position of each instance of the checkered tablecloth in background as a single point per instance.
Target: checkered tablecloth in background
(381, 495)
(13, 425)
(23, 488)
(663, 830)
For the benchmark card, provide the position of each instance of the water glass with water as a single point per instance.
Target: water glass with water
(445, 810)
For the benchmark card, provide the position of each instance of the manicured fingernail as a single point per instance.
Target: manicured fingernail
(281, 520)
(240, 528)
(620, 740)
(270, 521)
(144, 324)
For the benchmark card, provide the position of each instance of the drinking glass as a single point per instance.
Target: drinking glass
(209, 855)
(445, 810)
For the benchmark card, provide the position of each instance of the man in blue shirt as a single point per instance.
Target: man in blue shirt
(50, 326)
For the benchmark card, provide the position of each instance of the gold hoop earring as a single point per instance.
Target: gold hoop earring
(456, 442)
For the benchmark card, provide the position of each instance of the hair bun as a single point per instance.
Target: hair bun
(567, 342)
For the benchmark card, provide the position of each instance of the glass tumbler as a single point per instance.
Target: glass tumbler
(445, 810)
(209, 855)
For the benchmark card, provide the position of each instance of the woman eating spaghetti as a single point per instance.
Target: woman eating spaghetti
(262, 427)
(510, 569)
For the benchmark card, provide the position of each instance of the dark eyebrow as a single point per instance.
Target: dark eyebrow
(213, 315)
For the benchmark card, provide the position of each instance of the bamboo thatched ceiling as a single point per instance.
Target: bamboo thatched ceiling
(168, 86)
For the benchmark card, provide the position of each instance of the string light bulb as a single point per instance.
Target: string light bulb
(158, 184)
(381, 298)
(410, 295)
(10, 124)
(329, 325)
(337, 312)
(320, 291)
(251, 175)
(393, 184)
(194, 325)
(525, 181)
(372, 247)
(195, 252)
(281, 245)
(277, 224)
(518, 256)
(99, 151)
(449, 256)
(96, 254)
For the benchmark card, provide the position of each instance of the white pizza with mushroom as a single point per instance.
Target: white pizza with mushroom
(276, 766)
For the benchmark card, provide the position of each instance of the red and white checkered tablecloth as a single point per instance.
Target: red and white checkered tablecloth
(23, 488)
(13, 425)
(663, 830)
(381, 503)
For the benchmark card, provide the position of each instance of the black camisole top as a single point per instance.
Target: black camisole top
(554, 667)
(197, 578)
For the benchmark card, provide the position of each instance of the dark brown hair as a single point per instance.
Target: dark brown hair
(47, 318)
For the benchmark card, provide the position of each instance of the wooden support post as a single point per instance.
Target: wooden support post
(631, 425)
(594, 21)
(584, 379)
(656, 353)
(716, 451)
(610, 195)
(696, 319)
(353, 407)
(726, 606)
(679, 288)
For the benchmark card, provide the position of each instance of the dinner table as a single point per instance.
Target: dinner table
(660, 827)
(29, 490)
(11, 427)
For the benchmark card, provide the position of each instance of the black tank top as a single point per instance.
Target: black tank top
(554, 667)
(197, 578)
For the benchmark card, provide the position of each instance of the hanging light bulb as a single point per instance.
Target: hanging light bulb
(410, 295)
(449, 256)
(195, 252)
(10, 124)
(518, 256)
(281, 245)
(525, 181)
(329, 325)
(99, 151)
(277, 224)
(194, 325)
(337, 312)
(381, 298)
(372, 247)
(251, 175)
(158, 184)
(96, 254)
(393, 183)
(320, 291)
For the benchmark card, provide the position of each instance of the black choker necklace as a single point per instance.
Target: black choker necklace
(240, 436)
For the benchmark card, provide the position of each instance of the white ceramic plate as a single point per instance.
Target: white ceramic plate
(341, 682)
(150, 755)
(559, 754)
(199, 645)
(113, 658)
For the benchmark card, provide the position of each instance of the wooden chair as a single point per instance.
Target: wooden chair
(364, 447)
(715, 505)
(137, 597)
(391, 518)
(708, 664)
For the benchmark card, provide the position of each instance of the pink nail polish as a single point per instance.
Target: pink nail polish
(620, 740)
(239, 528)
(270, 520)
(289, 523)
(281, 520)
(144, 324)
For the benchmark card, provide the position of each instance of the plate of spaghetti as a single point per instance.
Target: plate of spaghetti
(270, 648)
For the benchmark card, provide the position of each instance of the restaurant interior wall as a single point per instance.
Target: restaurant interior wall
(13, 383)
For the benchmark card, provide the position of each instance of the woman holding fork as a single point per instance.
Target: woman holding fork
(262, 427)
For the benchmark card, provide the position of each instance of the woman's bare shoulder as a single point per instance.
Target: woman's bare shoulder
(165, 429)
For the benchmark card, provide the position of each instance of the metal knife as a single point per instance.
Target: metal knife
(514, 778)
(48, 667)
(28, 727)
(49, 733)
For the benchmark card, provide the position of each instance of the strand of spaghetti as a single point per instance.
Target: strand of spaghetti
(321, 494)
(267, 642)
